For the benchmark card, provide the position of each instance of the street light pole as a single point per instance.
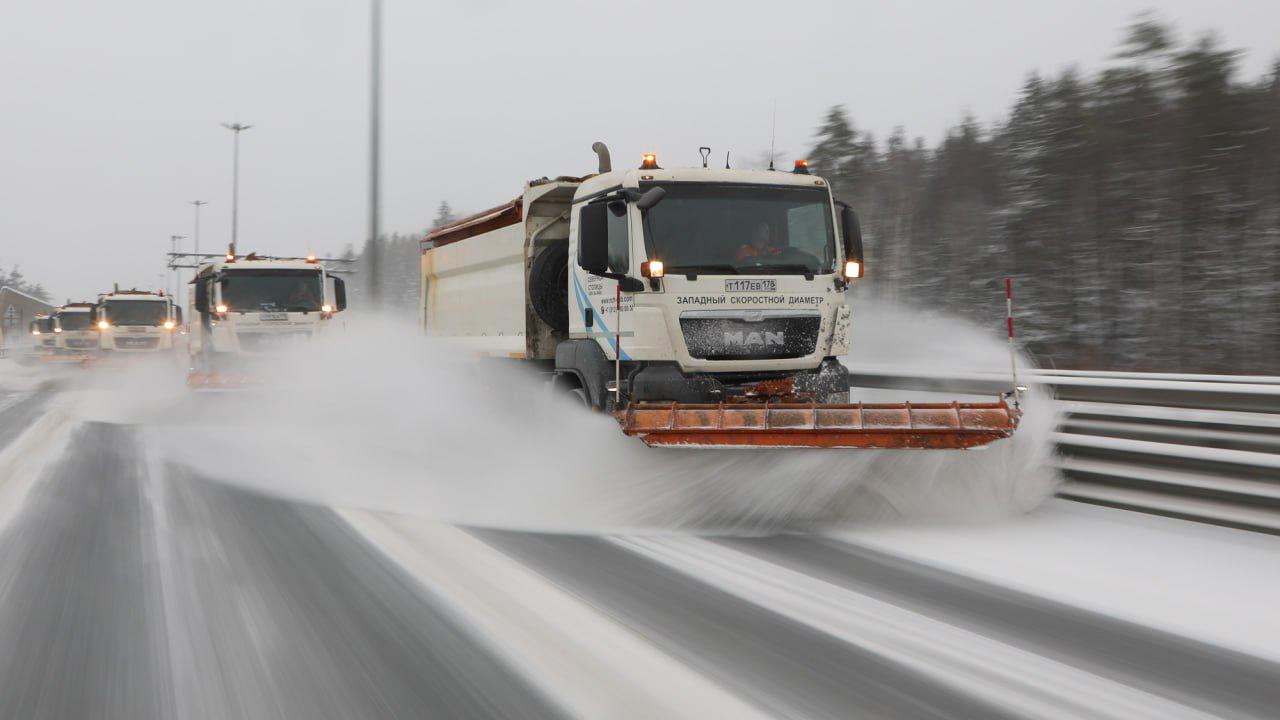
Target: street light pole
(177, 274)
(236, 129)
(375, 150)
(196, 232)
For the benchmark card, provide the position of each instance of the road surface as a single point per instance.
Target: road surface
(133, 587)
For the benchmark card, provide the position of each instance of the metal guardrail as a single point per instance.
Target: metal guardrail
(1200, 447)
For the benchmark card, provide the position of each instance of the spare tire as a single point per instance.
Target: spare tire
(549, 286)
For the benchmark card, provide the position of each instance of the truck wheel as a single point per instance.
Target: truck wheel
(549, 286)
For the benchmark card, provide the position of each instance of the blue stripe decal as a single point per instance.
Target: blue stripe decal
(584, 302)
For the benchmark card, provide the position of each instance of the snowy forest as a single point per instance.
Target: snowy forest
(1137, 209)
(16, 280)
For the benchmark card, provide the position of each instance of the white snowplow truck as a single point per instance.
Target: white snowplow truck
(700, 307)
(136, 321)
(247, 307)
(74, 328)
(44, 342)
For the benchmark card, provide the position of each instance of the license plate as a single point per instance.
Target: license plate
(281, 339)
(751, 286)
(274, 316)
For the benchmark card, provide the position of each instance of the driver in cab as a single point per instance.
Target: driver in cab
(303, 296)
(760, 245)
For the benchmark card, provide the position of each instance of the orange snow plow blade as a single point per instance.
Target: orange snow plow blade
(76, 359)
(948, 426)
(219, 382)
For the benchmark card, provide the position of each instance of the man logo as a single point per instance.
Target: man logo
(761, 339)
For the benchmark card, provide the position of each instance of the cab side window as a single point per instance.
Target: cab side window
(602, 237)
(616, 220)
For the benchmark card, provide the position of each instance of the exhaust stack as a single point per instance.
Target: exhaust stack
(602, 152)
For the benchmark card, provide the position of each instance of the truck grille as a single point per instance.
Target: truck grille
(271, 341)
(137, 343)
(750, 334)
(81, 343)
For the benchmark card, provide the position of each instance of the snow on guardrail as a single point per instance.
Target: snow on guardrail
(1200, 447)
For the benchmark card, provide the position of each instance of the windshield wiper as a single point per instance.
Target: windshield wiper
(798, 268)
(703, 269)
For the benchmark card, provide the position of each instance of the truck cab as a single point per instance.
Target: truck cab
(136, 321)
(242, 307)
(75, 330)
(43, 340)
(727, 279)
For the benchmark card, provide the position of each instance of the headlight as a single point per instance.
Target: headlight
(168, 324)
(103, 324)
(220, 309)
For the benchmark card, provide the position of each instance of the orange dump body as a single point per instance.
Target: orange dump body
(945, 426)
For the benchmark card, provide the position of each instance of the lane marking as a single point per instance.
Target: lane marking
(591, 665)
(1028, 684)
(24, 460)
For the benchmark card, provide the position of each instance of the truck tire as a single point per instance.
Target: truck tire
(549, 286)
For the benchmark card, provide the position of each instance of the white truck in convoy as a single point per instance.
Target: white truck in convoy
(74, 328)
(242, 307)
(44, 342)
(699, 306)
(136, 321)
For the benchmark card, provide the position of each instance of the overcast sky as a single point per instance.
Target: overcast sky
(110, 123)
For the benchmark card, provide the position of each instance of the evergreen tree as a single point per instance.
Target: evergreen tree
(444, 215)
(836, 146)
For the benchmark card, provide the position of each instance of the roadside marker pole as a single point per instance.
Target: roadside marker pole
(1013, 353)
(617, 348)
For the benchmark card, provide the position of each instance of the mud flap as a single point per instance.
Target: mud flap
(938, 426)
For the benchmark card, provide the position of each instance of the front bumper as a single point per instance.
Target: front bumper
(664, 381)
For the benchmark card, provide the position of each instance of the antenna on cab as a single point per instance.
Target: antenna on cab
(773, 133)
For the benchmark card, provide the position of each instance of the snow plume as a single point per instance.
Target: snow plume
(376, 417)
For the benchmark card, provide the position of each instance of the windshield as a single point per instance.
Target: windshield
(742, 229)
(137, 312)
(44, 325)
(272, 290)
(75, 321)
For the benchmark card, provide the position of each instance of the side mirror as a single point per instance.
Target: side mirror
(340, 293)
(177, 314)
(202, 297)
(651, 197)
(852, 231)
(593, 239)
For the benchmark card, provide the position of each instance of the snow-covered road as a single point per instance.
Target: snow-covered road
(138, 586)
